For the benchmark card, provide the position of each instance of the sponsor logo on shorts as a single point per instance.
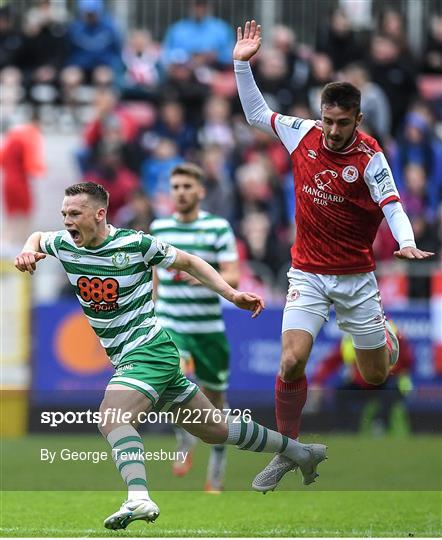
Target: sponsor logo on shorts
(293, 295)
(350, 174)
(122, 369)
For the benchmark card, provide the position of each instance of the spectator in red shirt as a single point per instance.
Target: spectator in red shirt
(21, 158)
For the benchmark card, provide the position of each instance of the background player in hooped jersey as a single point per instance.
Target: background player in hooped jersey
(111, 272)
(192, 313)
(343, 188)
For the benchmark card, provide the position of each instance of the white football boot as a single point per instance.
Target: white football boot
(269, 478)
(130, 511)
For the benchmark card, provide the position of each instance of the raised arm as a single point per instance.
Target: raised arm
(247, 44)
(210, 278)
(402, 231)
(383, 191)
(30, 254)
(256, 110)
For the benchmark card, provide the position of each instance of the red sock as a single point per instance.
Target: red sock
(290, 398)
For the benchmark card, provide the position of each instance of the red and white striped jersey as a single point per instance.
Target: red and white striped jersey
(339, 196)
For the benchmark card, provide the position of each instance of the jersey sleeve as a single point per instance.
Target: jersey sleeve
(155, 252)
(226, 245)
(50, 242)
(380, 182)
(290, 129)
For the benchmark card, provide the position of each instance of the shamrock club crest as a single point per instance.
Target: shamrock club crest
(120, 259)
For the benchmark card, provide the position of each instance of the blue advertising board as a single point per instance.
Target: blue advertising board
(69, 363)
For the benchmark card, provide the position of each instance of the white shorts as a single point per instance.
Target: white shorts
(356, 299)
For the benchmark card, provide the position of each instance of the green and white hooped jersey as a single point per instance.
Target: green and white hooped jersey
(185, 308)
(113, 283)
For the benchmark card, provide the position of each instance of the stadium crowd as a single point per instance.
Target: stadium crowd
(143, 106)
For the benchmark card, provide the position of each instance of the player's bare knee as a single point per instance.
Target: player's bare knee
(292, 367)
(375, 377)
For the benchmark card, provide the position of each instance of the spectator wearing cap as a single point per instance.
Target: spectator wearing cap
(202, 35)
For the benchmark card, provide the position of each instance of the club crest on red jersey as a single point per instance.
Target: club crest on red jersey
(323, 179)
(350, 174)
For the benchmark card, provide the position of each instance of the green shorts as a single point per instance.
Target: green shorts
(210, 354)
(154, 370)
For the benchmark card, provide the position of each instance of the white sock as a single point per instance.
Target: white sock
(256, 438)
(185, 440)
(126, 439)
(217, 464)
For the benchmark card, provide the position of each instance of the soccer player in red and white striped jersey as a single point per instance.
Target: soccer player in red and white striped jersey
(344, 188)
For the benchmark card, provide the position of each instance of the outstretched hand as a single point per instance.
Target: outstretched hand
(412, 253)
(250, 301)
(248, 44)
(26, 261)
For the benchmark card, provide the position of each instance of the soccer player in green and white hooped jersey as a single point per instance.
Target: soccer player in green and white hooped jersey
(191, 313)
(111, 272)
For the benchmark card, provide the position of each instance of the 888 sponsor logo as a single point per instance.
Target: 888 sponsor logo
(102, 293)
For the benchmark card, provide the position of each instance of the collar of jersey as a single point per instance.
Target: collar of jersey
(112, 231)
(201, 214)
(347, 150)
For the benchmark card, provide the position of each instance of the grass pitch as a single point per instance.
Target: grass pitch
(336, 505)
